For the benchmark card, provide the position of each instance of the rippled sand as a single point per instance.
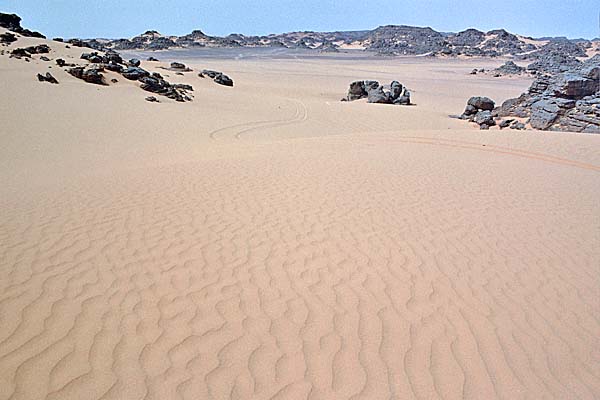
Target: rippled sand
(271, 242)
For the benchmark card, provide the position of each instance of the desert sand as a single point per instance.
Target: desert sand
(268, 241)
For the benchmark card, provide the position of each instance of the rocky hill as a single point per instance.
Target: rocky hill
(388, 40)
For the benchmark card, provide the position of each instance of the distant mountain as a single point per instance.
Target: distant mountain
(388, 40)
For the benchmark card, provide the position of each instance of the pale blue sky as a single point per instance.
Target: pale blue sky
(125, 18)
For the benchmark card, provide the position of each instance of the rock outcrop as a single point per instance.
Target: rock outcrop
(375, 93)
(12, 22)
(479, 110)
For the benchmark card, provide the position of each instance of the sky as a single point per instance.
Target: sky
(127, 18)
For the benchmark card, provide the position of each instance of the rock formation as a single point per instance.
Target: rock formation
(376, 93)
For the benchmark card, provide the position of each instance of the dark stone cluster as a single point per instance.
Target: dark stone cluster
(375, 93)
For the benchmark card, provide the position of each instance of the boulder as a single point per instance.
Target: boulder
(223, 79)
(134, 62)
(357, 91)
(482, 103)
(179, 66)
(484, 119)
(134, 73)
(378, 96)
(152, 59)
(90, 75)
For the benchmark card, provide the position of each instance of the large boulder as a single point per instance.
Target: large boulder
(482, 103)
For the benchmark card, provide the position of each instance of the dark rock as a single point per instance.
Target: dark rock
(47, 78)
(12, 22)
(134, 73)
(152, 99)
(375, 93)
(396, 89)
(58, 39)
(481, 103)
(223, 79)
(111, 66)
(357, 91)
(517, 125)
(179, 66)
(378, 96)
(90, 75)
(134, 62)
(44, 58)
(505, 123)
(474, 72)
(19, 53)
(113, 80)
(7, 38)
(484, 119)
(152, 59)
(60, 62)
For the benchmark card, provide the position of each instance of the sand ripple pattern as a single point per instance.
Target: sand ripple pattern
(306, 275)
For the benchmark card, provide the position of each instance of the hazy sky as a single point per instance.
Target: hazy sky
(126, 18)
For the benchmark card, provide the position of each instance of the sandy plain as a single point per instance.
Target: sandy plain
(268, 241)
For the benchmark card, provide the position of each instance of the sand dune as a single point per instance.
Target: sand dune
(271, 242)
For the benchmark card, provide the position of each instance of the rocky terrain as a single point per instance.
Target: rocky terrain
(568, 100)
(100, 67)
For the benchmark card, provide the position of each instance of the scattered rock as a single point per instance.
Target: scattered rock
(114, 80)
(29, 51)
(152, 99)
(90, 75)
(152, 59)
(44, 58)
(134, 62)
(7, 38)
(158, 85)
(217, 76)
(134, 73)
(47, 78)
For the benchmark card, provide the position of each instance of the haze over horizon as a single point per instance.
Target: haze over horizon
(115, 19)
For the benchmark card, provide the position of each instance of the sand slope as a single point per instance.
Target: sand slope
(270, 242)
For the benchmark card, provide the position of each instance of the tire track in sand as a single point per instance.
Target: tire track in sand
(236, 131)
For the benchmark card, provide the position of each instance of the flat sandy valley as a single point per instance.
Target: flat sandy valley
(268, 241)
